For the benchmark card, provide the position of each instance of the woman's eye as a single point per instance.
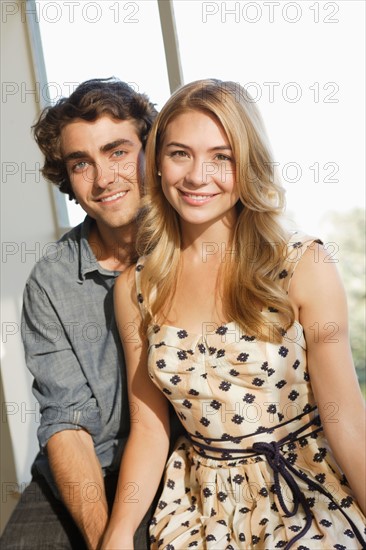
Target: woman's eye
(224, 158)
(178, 154)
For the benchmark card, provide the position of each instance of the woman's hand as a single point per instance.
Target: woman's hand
(115, 539)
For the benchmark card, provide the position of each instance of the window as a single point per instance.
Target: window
(83, 40)
(303, 63)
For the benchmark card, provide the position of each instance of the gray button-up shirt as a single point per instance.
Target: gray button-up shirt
(73, 350)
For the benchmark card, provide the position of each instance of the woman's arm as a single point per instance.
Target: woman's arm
(319, 297)
(146, 450)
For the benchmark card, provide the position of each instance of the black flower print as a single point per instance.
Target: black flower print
(293, 395)
(187, 404)
(346, 502)
(238, 479)
(249, 398)
(320, 478)
(283, 351)
(319, 457)
(193, 392)
(207, 492)
(247, 338)
(272, 409)
(170, 483)
(221, 330)
(264, 366)
(257, 382)
(234, 372)
(182, 355)
(296, 364)
(160, 364)
(283, 274)
(215, 404)
(220, 353)
(298, 244)
(311, 502)
(280, 384)
(237, 419)
(325, 522)
(212, 350)
(166, 391)
(225, 386)
(201, 348)
(221, 496)
(204, 421)
(182, 334)
(175, 379)
(242, 357)
(270, 372)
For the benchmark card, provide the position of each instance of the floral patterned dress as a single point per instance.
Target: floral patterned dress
(255, 470)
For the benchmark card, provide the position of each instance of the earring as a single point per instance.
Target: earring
(159, 173)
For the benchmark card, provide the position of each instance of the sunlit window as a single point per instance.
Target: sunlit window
(303, 64)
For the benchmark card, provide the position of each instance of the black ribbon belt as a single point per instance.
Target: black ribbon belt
(281, 466)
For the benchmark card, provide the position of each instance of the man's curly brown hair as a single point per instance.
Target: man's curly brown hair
(90, 100)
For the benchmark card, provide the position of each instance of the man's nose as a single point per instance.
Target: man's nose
(105, 173)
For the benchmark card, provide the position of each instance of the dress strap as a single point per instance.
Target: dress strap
(296, 247)
(140, 299)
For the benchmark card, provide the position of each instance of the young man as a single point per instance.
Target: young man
(93, 143)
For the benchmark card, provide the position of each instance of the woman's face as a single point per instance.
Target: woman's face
(198, 169)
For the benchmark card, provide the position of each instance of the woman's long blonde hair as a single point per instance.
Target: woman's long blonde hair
(251, 282)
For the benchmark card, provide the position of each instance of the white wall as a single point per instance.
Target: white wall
(27, 225)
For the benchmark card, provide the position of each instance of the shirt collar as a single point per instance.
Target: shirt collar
(87, 260)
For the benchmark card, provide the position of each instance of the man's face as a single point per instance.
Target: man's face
(102, 159)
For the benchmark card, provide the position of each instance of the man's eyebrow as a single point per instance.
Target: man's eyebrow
(104, 149)
(108, 146)
(75, 155)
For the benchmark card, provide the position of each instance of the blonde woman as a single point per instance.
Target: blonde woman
(243, 328)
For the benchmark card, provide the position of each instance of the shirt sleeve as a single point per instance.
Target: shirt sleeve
(65, 398)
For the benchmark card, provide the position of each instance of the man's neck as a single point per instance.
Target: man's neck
(114, 249)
